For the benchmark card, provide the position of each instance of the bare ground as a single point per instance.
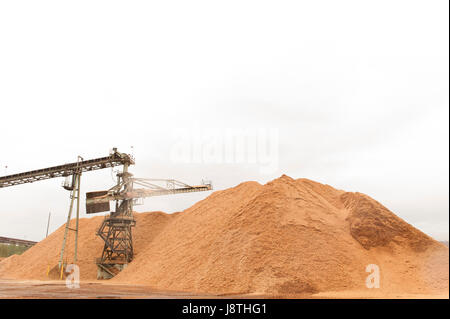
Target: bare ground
(35, 289)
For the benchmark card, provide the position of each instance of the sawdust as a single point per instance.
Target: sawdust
(287, 237)
(8, 262)
(44, 256)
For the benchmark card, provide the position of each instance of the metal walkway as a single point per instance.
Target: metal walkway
(115, 159)
(15, 241)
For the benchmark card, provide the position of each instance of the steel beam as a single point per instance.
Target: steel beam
(115, 159)
(14, 241)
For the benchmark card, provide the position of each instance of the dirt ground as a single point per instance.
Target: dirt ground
(34, 289)
(13, 289)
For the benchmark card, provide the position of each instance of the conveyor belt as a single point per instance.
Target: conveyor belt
(142, 193)
(115, 159)
(14, 241)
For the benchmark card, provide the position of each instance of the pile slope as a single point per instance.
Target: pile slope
(35, 262)
(287, 237)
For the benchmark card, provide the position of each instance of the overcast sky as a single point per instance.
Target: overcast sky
(354, 92)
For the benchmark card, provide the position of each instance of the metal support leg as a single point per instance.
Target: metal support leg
(78, 217)
(74, 194)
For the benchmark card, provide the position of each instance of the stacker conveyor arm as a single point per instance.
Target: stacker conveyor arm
(115, 159)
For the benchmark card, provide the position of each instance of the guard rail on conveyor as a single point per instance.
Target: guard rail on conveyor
(115, 159)
(14, 241)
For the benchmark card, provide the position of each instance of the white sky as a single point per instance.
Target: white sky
(357, 90)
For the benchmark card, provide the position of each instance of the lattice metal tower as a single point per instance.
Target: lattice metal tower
(116, 231)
